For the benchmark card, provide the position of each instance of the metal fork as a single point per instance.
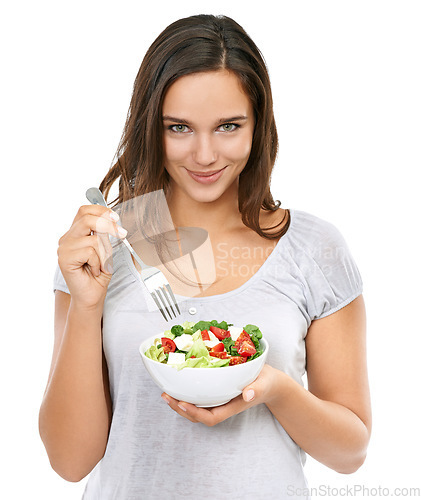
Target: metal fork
(154, 280)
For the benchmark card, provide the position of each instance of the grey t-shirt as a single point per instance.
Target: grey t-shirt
(152, 452)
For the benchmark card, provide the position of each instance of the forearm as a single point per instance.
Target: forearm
(329, 432)
(74, 416)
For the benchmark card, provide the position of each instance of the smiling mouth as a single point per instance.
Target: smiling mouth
(206, 177)
(205, 174)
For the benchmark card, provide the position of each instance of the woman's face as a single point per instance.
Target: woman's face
(208, 130)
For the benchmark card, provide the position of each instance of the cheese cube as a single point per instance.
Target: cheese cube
(176, 358)
(184, 342)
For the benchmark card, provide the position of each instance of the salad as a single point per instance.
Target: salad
(206, 344)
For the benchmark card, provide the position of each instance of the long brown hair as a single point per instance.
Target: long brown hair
(190, 45)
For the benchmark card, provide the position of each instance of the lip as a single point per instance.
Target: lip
(206, 177)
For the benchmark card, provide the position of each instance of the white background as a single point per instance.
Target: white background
(346, 81)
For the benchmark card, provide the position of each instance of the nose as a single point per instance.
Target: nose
(204, 151)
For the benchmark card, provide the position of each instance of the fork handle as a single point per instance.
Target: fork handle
(95, 196)
(137, 258)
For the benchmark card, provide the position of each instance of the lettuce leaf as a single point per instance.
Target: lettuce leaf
(205, 325)
(203, 362)
(189, 327)
(177, 330)
(188, 324)
(156, 353)
(202, 325)
(197, 335)
(253, 330)
(198, 349)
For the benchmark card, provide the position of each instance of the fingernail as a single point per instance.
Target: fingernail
(122, 232)
(182, 407)
(114, 215)
(165, 399)
(249, 395)
(109, 268)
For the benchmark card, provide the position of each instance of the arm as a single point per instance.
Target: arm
(332, 420)
(75, 413)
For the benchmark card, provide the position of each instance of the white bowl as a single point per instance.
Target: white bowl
(203, 386)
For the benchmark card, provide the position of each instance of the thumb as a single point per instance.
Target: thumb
(252, 391)
(258, 389)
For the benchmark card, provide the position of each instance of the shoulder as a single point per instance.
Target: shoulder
(302, 226)
(312, 232)
(330, 276)
(311, 222)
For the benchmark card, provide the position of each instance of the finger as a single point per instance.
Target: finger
(249, 394)
(97, 210)
(103, 248)
(257, 391)
(105, 253)
(81, 251)
(89, 223)
(195, 414)
(217, 414)
(236, 405)
(173, 404)
(85, 256)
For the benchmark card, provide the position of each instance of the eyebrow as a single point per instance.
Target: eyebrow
(183, 121)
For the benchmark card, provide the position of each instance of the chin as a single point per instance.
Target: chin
(207, 196)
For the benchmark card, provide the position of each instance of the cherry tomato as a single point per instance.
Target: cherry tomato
(221, 355)
(241, 338)
(237, 360)
(245, 345)
(246, 349)
(168, 344)
(205, 335)
(219, 332)
(218, 348)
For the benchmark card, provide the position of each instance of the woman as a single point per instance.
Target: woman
(204, 89)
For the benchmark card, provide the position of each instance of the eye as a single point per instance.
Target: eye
(179, 128)
(228, 127)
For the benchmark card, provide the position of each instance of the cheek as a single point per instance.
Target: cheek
(175, 150)
(239, 150)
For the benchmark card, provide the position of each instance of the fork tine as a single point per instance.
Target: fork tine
(155, 298)
(158, 292)
(168, 288)
(164, 291)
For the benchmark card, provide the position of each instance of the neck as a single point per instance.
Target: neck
(215, 216)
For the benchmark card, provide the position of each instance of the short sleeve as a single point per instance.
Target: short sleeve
(332, 277)
(59, 283)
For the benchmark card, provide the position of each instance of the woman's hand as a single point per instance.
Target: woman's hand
(85, 254)
(265, 388)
